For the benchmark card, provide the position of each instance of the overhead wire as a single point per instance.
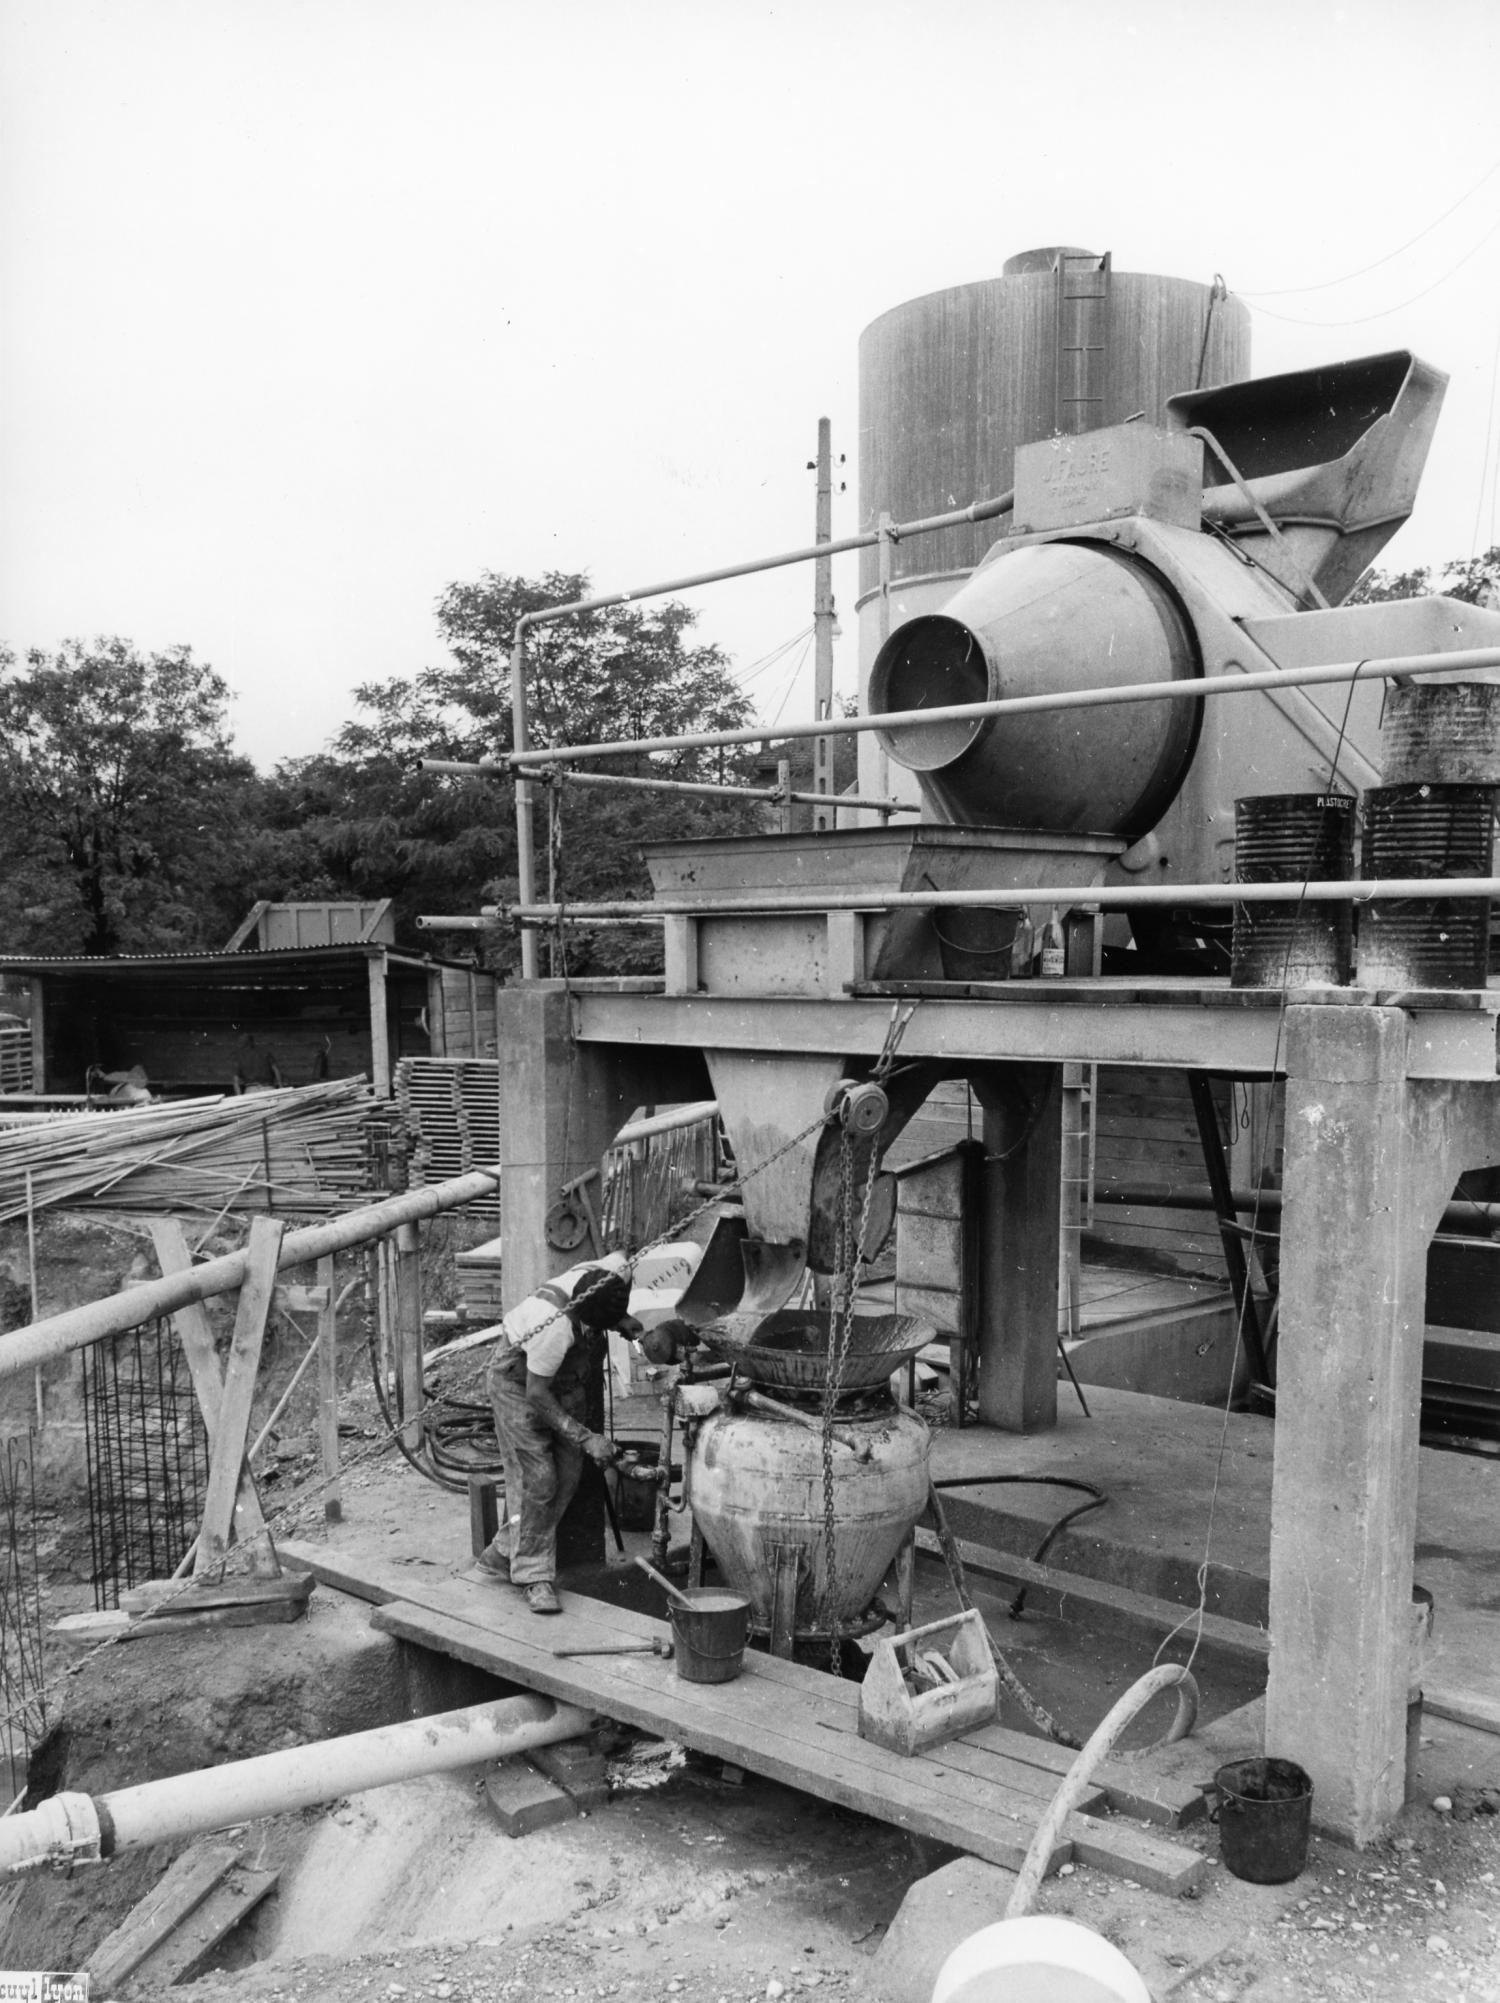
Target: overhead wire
(1326, 284)
(1364, 319)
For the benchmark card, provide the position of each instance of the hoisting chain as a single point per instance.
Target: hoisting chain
(849, 1256)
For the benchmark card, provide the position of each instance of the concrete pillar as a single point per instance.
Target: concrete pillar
(1367, 1173)
(561, 1103)
(1019, 1221)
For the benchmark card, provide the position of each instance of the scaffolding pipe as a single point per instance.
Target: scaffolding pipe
(1465, 1217)
(473, 924)
(77, 1327)
(1468, 660)
(977, 511)
(666, 1123)
(1070, 896)
(81, 1828)
(702, 788)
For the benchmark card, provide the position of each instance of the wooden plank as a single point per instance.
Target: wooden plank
(182, 1887)
(1125, 1850)
(640, 1692)
(181, 1957)
(804, 1706)
(346, 1574)
(191, 1326)
(251, 1310)
(328, 1392)
(1126, 1790)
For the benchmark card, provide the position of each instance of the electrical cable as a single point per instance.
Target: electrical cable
(1326, 284)
(1097, 1500)
(1364, 319)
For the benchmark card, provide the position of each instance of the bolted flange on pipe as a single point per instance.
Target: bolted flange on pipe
(82, 1829)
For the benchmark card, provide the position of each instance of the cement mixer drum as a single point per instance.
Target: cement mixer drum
(1057, 615)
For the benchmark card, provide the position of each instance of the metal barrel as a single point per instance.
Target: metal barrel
(1447, 732)
(1426, 830)
(1293, 838)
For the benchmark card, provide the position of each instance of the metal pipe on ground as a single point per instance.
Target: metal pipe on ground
(79, 1828)
(77, 1327)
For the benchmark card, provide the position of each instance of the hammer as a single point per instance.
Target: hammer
(655, 1646)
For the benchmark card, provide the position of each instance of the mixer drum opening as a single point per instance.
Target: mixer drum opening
(1030, 621)
(930, 663)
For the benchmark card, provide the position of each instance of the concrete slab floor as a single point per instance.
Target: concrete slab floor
(1158, 1461)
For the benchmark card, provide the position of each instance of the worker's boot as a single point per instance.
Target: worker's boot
(542, 1598)
(494, 1563)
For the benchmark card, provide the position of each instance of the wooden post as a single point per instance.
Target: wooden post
(824, 817)
(227, 1459)
(1021, 1236)
(328, 1393)
(408, 1332)
(380, 1028)
(38, 1034)
(190, 1324)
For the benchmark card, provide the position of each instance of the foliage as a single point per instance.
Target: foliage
(1475, 580)
(358, 821)
(121, 801)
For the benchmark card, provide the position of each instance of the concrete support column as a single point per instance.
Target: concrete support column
(561, 1104)
(1367, 1172)
(1020, 1226)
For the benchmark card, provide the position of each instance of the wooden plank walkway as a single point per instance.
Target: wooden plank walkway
(984, 1793)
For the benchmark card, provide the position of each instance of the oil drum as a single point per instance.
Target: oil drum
(1293, 838)
(1441, 731)
(1426, 830)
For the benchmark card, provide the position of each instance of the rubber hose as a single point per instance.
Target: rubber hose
(1101, 1742)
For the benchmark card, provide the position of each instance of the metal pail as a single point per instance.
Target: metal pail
(1293, 838)
(1264, 1817)
(975, 940)
(710, 1635)
(1422, 942)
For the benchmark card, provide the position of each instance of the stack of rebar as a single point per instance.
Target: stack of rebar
(300, 1151)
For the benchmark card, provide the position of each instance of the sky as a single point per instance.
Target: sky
(309, 308)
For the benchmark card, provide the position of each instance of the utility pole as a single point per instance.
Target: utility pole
(823, 816)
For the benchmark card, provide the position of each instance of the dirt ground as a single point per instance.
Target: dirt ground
(689, 1884)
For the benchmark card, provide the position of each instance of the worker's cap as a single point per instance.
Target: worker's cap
(601, 1299)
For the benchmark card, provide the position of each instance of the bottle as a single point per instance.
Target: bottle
(1054, 951)
(1023, 948)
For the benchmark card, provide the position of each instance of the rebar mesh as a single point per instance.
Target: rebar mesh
(23, 1694)
(147, 1458)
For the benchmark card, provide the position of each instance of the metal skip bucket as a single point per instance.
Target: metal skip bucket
(1264, 1817)
(1293, 838)
(709, 1636)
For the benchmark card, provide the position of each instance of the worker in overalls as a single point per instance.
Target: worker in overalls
(538, 1385)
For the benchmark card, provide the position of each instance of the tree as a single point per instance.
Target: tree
(121, 800)
(1475, 580)
(360, 821)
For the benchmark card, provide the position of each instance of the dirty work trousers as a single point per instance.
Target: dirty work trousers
(541, 1471)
